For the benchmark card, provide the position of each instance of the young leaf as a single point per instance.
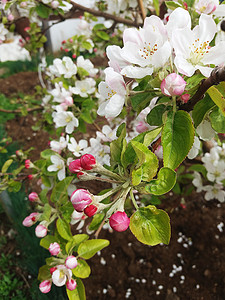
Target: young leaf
(78, 293)
(117, 147)
(88, 249)
(154, 118)
(217, 119)
(177, 138)
(82, 269)
(217, 97)
(164, 183)
(47, 240)
(59, 193)
(6, 165)
(201, 108)
(63, 229)
(150, 225)
(75, 241)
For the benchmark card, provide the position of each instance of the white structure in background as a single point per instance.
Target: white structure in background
(12, 51)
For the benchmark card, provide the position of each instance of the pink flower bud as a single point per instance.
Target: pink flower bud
(90, 210)
(27, 163)
(80, 174)
(95, 49)
(53, 269)
(71, 262)
(30, 177)
(66, 50)
(173, 85)
(185, 97)
(23, 4)
(27, 28)
(75, 166)
(87, 161)
(10, 17)
(54, 248)
(74, 56)
(63, 42)
(68, 101)
(71, 284)
(185, 5)
(41, 231)
(45, 286)
(119, 221)
(31, 219)
(80, 199)
(71, 40)
(55, 4)
(33, 197)
(141, 127)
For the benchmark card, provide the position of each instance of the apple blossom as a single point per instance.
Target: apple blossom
(87, 65)
(54, 248)
(65, 67)
(71, 284)
(58, 165)
(60, 93)
(77, 217)
(205, 131)
(99, 151)
(195, 148)
(75, 166)
(173, 85)
(33, 197)
(54, 4)
(114, 91)
(84, 87)
(58, 146)
(206, 6)
(87, 162)
(192, 49)
(80, 199)
(216, 172)
(77, 148)
(119, 221)
(41, 231)
(197, 182)
(107, 134)
(31, 219)
(61, 275)
(45, 286)
(66, 119)
(215, 191)
(3, 32)
(71, 262)
(90, 210)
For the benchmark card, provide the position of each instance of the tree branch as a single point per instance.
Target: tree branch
(77, 7)
(19, 110)
(142, 9)
(217, 75)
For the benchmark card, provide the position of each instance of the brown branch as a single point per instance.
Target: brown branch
(142, 9)
(217, 75)
(98, 13)
(20, 111)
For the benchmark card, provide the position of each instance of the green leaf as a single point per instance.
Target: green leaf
(63, 229)
(172, 5)
(44, 273)
(165, 181)
(46, 181)
(43, 196)
(156, 6)
(137, 176)
(198, 168)
(75, 241)
(117, 147)
(88, 249)
(46, 212)
(148, 161)
(6, 165)
(14, 186)
(150, 225)
(78, 293)
(103, 35)
(154, 118)
(82, 270)
(177, 138)
(140, 101)
(201, 108)
(46, 154)
(42, 10)
(47, 240)
(151, 135)
(217, 120)
(96, 221)
(59, 193)
(217, 97)
(86, 45)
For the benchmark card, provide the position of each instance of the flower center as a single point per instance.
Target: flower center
(68, 119)
(110, 94)
(148, 51)
(198, 50)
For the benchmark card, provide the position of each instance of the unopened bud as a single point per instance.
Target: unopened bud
(54, 248)
(71, 284)
(119, 221)
(45, 286)
(31, 219)
(173, 85)
(75, 166)
(71, 262)
(80, 199)
(54, 4)
(87, 161)
(33, 197)
(41, 231)
(90, 210)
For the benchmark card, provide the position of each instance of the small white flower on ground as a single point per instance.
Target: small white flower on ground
(65, 67)
(214, 192)
(114, 91)
(77, 148)
(66, 119)
(195, 148)
(59, 166)
(84, 87)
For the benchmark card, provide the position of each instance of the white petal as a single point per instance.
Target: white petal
(136, 72)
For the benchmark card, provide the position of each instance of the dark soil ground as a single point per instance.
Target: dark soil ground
(191, 267)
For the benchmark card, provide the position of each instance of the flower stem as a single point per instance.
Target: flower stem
(133, 199)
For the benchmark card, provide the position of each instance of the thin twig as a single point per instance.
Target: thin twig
(20, 111)
(142, 9)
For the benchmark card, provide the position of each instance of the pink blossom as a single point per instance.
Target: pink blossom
(30, 177)
(54, 248)
(27, 28)
(53, 269)
(119, 221)
(185, 97)
(41, 231)
(71, 262)
(71, 284)
(90, 210)
(10, 17)
(55, 4)
(27, 163)
(75, 166)
(173, 85)
(141, 127)
(45, 286)
(31, 219)
(87, 161)
(80, 199)
(33, 197)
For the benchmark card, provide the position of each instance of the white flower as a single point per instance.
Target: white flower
(66, 118)
(179, 18)
(205, 131)
(107, 134)
(65, 67)
(84, 87)
(195, 148)
(87, 65)
(3, 32)
(114, 91)
(12, 51)
(99, 151)
(58, 146)
(192, 48)
(217, 172)
(210, 159)
(58, 165)
(145, 49)
(215, 192)
(77, 148)
(206, 6)
(59, 93)
(61, 275)
(197, 182)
